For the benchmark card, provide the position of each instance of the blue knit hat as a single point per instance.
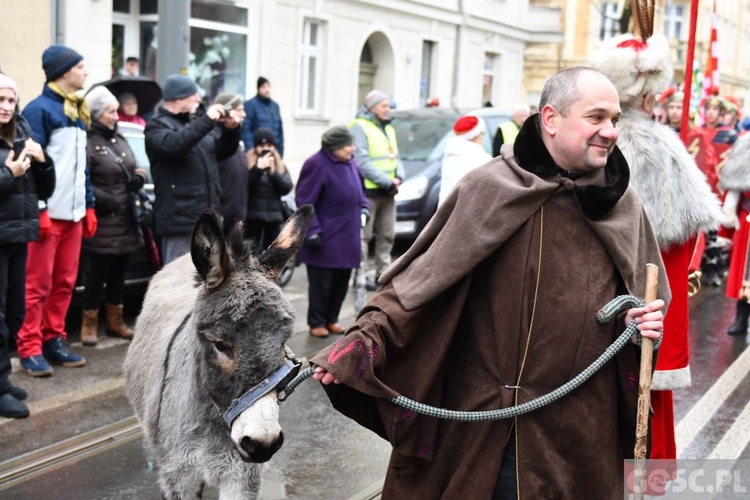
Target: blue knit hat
(178, 86)
(57, 60)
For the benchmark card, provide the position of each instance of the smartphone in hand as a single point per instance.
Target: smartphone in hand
(18, 146)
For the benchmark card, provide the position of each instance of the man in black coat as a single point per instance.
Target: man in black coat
(184, 156)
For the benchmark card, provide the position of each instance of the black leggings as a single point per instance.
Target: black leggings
(327, 289)
(104, 270)
(12, 304)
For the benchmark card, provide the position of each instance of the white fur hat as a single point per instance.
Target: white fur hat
(635, 67)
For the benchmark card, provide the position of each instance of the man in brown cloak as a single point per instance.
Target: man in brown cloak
(494, 305)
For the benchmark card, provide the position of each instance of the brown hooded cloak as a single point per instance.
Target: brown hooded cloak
(493, 306)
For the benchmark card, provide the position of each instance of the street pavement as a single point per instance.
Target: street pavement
(325, 455)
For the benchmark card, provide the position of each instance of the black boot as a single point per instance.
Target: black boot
(739, 327)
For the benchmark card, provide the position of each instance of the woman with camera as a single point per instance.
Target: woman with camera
(114, 180)
(268, 181)
(27, 175)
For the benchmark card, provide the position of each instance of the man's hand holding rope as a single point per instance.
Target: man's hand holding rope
(650, 320)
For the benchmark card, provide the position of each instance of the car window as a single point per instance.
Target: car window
(418, 136)
(137, 143)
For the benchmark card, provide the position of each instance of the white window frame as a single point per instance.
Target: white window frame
(131, 23)
(608, 21)
(308, 52)
(674, 16)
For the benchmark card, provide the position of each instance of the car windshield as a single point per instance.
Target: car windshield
(418, 136)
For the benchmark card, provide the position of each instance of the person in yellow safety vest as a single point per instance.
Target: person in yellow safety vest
(377, 157)
(507, 132)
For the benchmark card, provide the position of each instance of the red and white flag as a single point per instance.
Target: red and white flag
(711, 74)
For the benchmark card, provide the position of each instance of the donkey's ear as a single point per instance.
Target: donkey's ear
(289, 241)
(209, 250)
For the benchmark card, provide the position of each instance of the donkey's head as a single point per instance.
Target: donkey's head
(242, 321)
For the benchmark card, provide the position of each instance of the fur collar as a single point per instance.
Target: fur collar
(594, 200)
(678, 200)
(735, 174)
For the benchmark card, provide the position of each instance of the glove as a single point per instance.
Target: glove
(45, 225)
(136, 182)
(729, 209)
(89, 223)
(313, 242)
(364, 215)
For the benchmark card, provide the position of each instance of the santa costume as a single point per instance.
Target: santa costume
(677, 199)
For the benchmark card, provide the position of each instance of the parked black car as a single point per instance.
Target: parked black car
(422, 135)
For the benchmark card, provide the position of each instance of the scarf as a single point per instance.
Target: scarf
(74, 106)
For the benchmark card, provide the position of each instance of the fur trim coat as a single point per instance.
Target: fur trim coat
(679, 204)
(498, 291)
(736, 171)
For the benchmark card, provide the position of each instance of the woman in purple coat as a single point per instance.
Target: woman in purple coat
(332, 183)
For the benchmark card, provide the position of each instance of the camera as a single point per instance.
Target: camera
(227, 110)
(264, 152)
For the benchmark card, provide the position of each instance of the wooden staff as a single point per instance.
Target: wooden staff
(644, 391)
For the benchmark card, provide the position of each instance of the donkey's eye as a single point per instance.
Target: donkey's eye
(223, 348)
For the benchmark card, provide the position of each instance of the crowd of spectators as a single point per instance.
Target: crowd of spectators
(68, 178)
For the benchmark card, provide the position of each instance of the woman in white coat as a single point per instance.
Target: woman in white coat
(463, 153)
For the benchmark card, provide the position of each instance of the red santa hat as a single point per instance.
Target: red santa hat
(468, 127)
(634, 67)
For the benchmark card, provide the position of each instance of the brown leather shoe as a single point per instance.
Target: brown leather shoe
(335, 328)
(90, 327)
(116, 327)
(319, 331)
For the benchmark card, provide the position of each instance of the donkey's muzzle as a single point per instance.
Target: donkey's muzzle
(258, 452)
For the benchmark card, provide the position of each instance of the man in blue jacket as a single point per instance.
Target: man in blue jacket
(58, 119)
(262, 111)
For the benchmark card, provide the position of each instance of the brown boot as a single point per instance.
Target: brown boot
(115, 325)
(90, 327)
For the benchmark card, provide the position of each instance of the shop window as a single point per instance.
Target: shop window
(217, 61)
(118, 48)
(218, 12)
(149, 48)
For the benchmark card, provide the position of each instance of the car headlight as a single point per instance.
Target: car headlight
(412, 189)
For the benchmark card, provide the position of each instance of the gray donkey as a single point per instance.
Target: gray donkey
(208, 358)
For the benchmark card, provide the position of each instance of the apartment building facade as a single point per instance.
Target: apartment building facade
(321, 56)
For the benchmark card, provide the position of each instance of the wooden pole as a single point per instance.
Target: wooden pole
(644, 391)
